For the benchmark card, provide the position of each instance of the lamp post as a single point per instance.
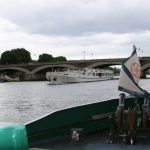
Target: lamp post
(142, 53)
(84, 55)
(139, 52)
(92, 55)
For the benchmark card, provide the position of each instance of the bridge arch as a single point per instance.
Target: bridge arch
(17, 68)
(104, 63)
(50, 66)
(145, 67)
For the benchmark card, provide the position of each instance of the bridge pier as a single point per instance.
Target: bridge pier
(33, 77)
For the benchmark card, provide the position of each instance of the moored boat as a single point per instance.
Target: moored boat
(2, 78)
(76, 76)
(5, 78)
(9, 79)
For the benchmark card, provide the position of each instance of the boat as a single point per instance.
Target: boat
(118, 121)
(9, 79)
(87, 119)
(76, 76)
(2, 78)
(5, 78)
(125, 119)
(82, 127)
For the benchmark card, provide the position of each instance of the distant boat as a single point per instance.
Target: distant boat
(147, 76)
(116, 77)
(76, 76)
(2, 78)
(5, 78)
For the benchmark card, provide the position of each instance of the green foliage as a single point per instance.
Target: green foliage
(16, 56)
(6, 57)
(116, 70)
(45, 58)
(60, 58)
(49, 58)
(21, 55)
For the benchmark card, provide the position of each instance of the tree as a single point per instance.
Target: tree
(21, 55)
(16, 56)
(7, 57)
(45, 58)
(60, 58)
(116, 70)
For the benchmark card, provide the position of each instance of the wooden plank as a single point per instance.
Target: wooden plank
(102, 116)
(37, 149)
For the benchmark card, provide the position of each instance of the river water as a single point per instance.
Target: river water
(27, 101)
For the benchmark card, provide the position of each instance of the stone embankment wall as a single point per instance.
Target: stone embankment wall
(33, 77)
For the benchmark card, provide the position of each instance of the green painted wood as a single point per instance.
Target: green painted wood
(60, 122)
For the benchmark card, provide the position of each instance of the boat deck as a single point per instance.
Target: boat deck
(95, 142)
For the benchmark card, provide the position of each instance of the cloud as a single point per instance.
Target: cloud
(106, 28)
(6, 25)
(77, 17)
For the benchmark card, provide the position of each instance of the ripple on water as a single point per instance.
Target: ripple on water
(26, 101)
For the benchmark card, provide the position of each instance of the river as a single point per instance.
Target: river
(27, 101)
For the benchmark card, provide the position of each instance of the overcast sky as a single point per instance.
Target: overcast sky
(101, 28)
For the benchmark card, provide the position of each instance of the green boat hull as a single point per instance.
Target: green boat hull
(90, 117)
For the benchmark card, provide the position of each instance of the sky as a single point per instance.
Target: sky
(76, 28)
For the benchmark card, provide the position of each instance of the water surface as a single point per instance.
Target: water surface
(27, 101)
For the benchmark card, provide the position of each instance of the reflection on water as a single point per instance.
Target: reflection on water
(26, 101)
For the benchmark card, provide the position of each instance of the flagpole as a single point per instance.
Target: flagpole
(84, 55)
(134, 47)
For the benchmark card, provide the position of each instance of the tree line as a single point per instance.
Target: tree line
(21, 55)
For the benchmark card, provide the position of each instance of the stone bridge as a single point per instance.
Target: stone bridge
(37, 71)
